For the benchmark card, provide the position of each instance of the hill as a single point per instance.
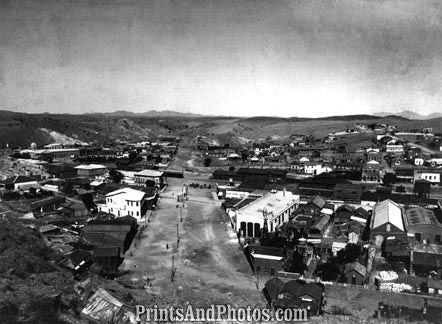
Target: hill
(409, 115)
(20, 129)
(31, 286)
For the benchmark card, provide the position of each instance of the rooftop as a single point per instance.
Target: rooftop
(273, 203)
(129, 193)
(421, 216)
(90, 167)
(387, 211)
(149, 173)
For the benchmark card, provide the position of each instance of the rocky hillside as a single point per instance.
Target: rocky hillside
(32, 288)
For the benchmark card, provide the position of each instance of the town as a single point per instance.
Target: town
(347, 225)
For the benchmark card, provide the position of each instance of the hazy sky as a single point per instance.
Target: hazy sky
(243, 57)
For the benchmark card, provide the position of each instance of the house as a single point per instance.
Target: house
(271, 210)
(372, 172)
(47, 204)
(347, 191)
(102, 307)
(354, 273)
(91, 170)
(150, 178)
(20, 183)
(295, 294)
(121, 228)
(423, 225)
(312, 207)
(387, 220)
(318, 228)
(267, 261)
(125, 201)
(73, 208)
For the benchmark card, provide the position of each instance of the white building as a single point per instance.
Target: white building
(394, 148)
(316, 168)
(418, 161)
(275, 207)
(125, 201)
(427, 174)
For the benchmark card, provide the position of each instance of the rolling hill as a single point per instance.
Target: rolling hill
(21, 129)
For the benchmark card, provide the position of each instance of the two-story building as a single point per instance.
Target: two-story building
(150, 178)
(125, 201)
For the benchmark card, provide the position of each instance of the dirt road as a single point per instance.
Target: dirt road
(210, 266)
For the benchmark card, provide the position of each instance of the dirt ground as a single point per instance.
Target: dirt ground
(210, 266)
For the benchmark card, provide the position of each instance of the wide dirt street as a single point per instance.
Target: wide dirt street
(210, 266)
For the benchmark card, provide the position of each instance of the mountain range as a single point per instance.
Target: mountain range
(409, 115)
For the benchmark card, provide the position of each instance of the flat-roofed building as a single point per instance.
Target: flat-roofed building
(150, 178)
(274, 209)
(423, 225)
(91, 170)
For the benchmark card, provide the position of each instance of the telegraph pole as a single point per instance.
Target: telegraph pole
(172, 270)
(177, 236)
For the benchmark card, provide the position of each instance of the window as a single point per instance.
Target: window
(258, 269)
(138, 213)
(388, 227)
(137, 203)
(272, 272)
(266, 270)
(418, 237)
(437, 238)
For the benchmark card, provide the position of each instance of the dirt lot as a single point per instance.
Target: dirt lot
(210, 267)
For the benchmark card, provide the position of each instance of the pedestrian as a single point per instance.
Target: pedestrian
(167, 246)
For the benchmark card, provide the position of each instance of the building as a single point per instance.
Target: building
(315, 168)
(273, 209)
(91, 170)
(387, 220)
(295, 294)
(372, 172)
(423, 225)
(313, 207)
(394, 148)
(431, 175)
(354, 273)
(347, 191)
(425, 258)
(150, 178)
(125, 201)
(267, 261)
(20, 183)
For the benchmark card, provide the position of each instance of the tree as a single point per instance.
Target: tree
(115, 175)
(349, 254)
(207, 161)
(389, 178)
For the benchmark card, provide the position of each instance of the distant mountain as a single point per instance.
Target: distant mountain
(409, 115)
(153, 113)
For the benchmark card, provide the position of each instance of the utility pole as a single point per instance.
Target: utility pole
(177, 236)
(173, 269)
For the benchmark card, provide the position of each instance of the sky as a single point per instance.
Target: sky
(306, 58)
